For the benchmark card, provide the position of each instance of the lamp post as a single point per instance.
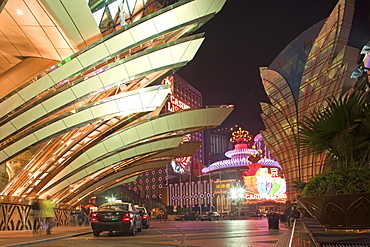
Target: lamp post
(237, 194)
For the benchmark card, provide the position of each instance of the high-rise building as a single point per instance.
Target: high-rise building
(183, 96)
(314, 67)
(218, 142)
(153, 184)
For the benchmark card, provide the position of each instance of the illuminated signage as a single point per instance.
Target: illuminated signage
(265, 184)
(174, 104)
(181, 165)
(263, 197)
(223, 186)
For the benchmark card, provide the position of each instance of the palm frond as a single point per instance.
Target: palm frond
(341, 130)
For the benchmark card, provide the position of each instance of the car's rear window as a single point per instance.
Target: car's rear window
(119, 207)
(140, 209)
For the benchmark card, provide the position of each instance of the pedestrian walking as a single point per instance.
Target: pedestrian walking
(74, 217)
(80, 216)
(86, 216)
(47, 209)
(36, 215)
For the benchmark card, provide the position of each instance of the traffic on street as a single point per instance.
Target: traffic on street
(250, 232)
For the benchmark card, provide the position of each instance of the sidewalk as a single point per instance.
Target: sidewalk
(334, 238)
(295, 236)
(25, 237)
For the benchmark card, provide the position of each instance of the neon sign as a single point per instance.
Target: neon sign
(180, 165)
(265, 184)
(260, 197)
(174, 104)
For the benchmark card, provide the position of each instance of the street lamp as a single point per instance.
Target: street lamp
(237, 194)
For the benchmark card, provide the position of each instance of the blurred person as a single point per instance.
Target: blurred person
(295, 214)
(74, 217)
(47, 209)
(80, 215)
(288, 213)
(36, 215)
(86, 216)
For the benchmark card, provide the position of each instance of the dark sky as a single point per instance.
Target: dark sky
(242, 37)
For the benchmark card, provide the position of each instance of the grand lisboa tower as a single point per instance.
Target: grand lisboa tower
(81, 94)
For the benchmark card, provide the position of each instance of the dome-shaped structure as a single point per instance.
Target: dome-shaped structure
(261, 176)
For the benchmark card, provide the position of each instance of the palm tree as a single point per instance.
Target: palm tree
(342, 132)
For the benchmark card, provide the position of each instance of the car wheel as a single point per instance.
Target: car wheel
(96, 233)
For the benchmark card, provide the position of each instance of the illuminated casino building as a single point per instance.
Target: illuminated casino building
(314, 67)
(258, 179)
(81, 96)
(183, 96)
(154, 184)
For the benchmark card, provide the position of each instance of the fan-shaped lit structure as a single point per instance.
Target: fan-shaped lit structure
(87, 102)
(314, 67)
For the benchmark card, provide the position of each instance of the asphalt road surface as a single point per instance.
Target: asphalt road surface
(246, 233)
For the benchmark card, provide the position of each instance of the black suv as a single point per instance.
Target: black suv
(116, 217)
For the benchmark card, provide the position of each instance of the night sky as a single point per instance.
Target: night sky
(242, 37)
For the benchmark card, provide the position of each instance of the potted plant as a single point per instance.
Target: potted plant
(339, 198)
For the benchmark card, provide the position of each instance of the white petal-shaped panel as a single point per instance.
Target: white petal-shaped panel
(143, 30)
(119, 41)
(6, 128)
(206, 7)
(91, 56)
(50, 129)
(10, 104)
(96, 151)
(126, 154)
(166, 21)
(187, 12)
(59, 100)
(90, 85)
(29, 116)
(35, 88)
(66, 70)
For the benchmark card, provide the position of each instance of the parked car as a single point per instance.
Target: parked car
(188, 216)
(254, 215)
(210, 216)
(116, 217)
(145, 219)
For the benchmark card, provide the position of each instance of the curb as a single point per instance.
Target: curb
(47, 240)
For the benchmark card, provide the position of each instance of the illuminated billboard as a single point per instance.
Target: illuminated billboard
(265, 184)
(180, 165)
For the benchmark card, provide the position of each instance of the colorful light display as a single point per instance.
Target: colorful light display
(266, 183)
(262, 178)
(181, 165)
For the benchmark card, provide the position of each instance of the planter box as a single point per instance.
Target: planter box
(342, 212)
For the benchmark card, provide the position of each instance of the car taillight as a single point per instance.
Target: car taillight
(144, 217)
(94, 217)
(126, 217)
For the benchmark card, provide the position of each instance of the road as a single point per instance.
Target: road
(246, 233)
